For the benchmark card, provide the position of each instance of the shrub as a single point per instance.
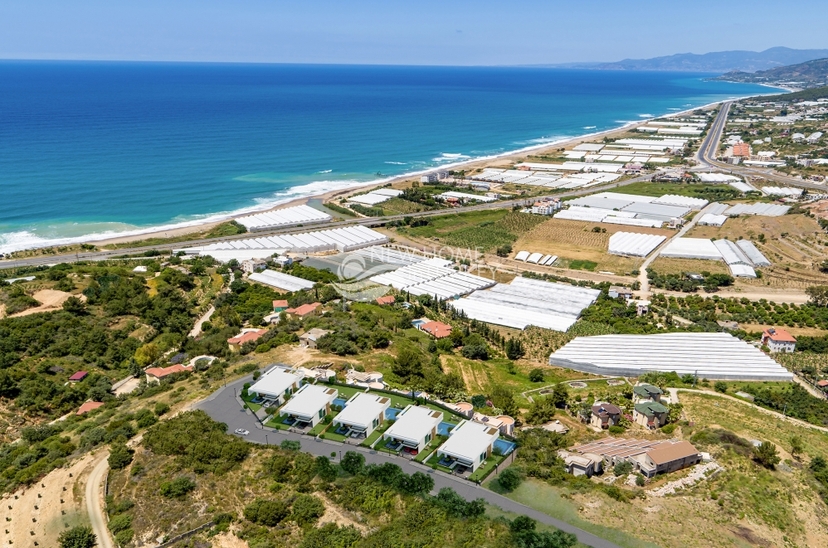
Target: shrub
(615, 429)
(622, 468)
(720, 386)
(639, 480)
(161, 408)
(145, 418)
(120, 522)
(266, 512)
(78, 537)
(120, 456)
(291, 445)
(307, 509)
(510, 479)
(668, 428)
(177, 488)
(536, 375)
(766, 455)
(352, 462)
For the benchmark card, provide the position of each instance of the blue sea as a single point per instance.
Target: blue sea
(92, 148)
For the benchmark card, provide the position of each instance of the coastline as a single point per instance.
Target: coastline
(184, 228)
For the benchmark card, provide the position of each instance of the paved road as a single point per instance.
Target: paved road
(367, 221)
(223, 406)
(94, 502)
(709, 149)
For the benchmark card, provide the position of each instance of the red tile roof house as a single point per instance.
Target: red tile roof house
(88, 406)
(387, 299)
(79, 376)
(605, 415)
(246, 336)
(778, 340)
(438, 330)
(822, 384)
(156, 374)
(304, 310)
(280, 304)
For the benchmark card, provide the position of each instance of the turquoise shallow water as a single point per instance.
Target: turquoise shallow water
(96, 148)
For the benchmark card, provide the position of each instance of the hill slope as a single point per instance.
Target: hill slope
(806, 75)
(718, 61)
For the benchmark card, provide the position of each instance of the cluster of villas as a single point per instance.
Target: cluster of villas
(470, 438)
(649, 410)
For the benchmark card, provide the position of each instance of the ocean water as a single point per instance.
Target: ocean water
(88, 149)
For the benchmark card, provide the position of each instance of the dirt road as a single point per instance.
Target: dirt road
(95, 504)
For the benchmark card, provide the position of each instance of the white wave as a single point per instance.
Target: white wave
(325, 171)
(450, 156)
(674, 108)
(397, 163)
(645, 115)
(590, 127)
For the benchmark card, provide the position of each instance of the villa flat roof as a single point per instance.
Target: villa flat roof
(469, 440)
(362, 409)
(308, 400)
(275, 382)
(413, 423)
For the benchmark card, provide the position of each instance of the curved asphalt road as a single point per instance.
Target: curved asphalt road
(94, 502)
(222, 406)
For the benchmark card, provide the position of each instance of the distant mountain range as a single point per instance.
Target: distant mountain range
(802, 75)
(719, 61)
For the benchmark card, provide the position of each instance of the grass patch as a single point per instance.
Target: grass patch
(375, 435)
(581, 264)
(547, 499)
(319, 428)
(487, 468)
(248, 400)
(693, 190)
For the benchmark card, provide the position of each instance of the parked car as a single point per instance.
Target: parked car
(242, 431)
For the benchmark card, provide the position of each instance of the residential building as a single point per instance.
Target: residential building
(414, 427)
(778, 340)
(283, 261)
(280, 305)
(651, 414)
(798, 137)
(647, 392)
(438, 330)
(305, 310)
(368, 379)
(363, 414)
(386, 300)
(276, 385)
(667, 457)
(650, 457)
(605, 415)
(88, 406)
(247, 335)
(582, 465)
(504, 423)
(79, 376)
(469, 445)
(616, 291)
(157, 374)
(429, 178)
(309, 405)
(311, 337)
(253, 265)
(742, 150)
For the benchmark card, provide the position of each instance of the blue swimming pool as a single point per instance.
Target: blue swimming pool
(504, 447)
(391, 413)
(444, 428)
(340, 402)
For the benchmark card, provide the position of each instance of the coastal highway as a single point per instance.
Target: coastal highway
(366, 221)
(706, 156)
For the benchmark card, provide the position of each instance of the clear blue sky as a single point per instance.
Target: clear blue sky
(463, 32)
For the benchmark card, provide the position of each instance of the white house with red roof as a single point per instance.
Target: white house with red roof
(778, 340)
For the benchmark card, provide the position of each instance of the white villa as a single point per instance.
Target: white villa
(414, 428)
(469, 444)
(362, 414)
(309, 405)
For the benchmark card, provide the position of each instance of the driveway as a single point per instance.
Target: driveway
(222, 406)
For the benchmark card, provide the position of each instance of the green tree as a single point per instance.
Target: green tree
(503, 398)
(352, 462)
(417, 483)
(78, 537)
(766, 455)
(797, 446)
(541, 411)
(510, 479)
(537, 375)
(147, 354)
(515, 351)
(120, 456)
(324, 469)
(307, 509)
(177, 488)
(74, 306)
(560, 395)
(623, 468)
(818, 294)
(266, 512)
(161, 408)
(331, 535)
(720, 386)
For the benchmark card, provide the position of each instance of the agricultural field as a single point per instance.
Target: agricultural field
(481, 230)
(574, 241)
(398, 206)
(669, 265)
(713, 193)
(795, 244)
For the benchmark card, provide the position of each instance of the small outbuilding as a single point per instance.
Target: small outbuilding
(79, 376)
(311, 337)
(248, 335)
(88, 406)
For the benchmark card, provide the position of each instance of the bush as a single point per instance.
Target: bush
(120, 456)
(307, 509)
(668, 428)
(266, 512)
(120, 522)
(720, 386)
(615, 429)
(639, 480)
(510, 479)
(536, 375)
(352, 462)
(145, 418)
(291, 445)
(78, 537)
(623, 468)
(177, 488)
(766, 455)
(161, 408)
